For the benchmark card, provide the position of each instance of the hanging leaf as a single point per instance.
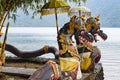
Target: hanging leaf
(84, 1)
(14, 17)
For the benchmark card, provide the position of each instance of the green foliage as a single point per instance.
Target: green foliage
(24, 5)
(84, 1)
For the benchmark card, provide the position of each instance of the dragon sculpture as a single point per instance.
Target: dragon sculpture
(90, 54)
(85, 33)
(68, 30)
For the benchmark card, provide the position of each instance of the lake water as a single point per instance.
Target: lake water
(30, 38)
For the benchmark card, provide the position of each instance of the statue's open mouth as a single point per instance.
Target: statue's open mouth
(101, 34)
(83, 36)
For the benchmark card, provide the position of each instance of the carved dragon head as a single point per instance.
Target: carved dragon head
(93, 26)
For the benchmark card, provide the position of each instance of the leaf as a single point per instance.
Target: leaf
(84, 1)
(14, 17)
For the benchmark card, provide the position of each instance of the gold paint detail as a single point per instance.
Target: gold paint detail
(46, 48)
(55, 68)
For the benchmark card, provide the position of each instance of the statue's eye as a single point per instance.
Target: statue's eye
(93, 20)
(78, 20)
